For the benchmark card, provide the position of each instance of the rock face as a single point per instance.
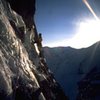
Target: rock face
(24, 74)
(25, 8)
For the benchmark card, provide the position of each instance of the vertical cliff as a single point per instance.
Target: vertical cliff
(24, 74)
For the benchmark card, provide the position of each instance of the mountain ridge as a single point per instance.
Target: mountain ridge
(71, 65)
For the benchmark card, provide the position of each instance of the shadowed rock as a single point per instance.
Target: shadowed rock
(25, 8)
(20, 76)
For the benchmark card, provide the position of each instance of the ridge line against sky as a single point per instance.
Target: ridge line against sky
(61, 20)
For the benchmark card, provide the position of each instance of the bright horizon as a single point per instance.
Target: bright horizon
(88, 33)
(68, 22)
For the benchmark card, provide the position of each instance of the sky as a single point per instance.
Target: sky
(67, 22)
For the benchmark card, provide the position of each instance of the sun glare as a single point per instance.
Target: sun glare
(88, 33)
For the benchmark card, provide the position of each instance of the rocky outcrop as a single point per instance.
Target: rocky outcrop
(23, 71)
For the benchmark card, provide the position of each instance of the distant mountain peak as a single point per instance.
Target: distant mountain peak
(70, 66)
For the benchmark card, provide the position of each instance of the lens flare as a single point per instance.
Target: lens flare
(90, 8)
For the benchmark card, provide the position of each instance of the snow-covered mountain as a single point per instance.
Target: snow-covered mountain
(71, 65)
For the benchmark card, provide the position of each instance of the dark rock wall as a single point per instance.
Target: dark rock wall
(23, 71)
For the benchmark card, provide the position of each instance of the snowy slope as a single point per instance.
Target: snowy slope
(70, 65)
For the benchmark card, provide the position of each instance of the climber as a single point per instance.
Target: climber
(39, 41)
(39, 44)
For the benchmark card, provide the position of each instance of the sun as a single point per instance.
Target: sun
(87, 34)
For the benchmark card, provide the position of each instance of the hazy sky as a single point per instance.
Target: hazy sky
(59, 20)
